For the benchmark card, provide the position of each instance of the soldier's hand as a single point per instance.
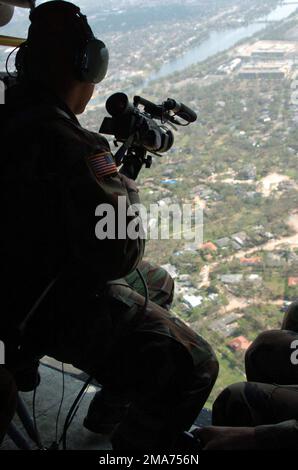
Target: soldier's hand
(132, 166)
(226, 438)
(129, 183)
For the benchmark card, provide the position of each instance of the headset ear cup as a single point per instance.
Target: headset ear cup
(78, 61)
(95, 61)
(21, 59)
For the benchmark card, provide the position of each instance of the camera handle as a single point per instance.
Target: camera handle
(133, 162)
(132, 159)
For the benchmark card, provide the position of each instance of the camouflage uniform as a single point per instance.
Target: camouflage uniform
(93, 316)
(269, 400)
(160, 284)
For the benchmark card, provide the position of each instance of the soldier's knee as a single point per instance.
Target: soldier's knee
(226, 407)
(168, 283)
(265, 351)
(165, 275)
(265, 340)
(290, 321)
(256, 351)
(161, 284)
(206, 366)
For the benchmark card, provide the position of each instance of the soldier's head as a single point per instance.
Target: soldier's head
(62, 53)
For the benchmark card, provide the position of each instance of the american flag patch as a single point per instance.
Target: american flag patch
(102, 164)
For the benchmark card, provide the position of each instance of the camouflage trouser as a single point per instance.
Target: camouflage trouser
(160, 284)
(271, 394)
(150, 358)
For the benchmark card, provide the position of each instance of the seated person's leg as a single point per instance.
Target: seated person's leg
(8, 400)
(167, 390)
(255, 404)
(268, 360)
(290, 321)
(170, 371)
(266, 409)
(110, 405)
(94, 334)
(160, 283)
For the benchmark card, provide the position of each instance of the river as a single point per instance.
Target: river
(221, 40)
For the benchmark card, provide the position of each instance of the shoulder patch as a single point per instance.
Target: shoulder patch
(102, 164)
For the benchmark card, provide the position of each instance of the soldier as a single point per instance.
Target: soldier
(262, 413)
(86, 301)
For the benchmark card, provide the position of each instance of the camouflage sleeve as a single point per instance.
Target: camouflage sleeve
(278, 436)
(95, 183)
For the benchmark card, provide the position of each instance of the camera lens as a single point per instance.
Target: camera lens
(117, 104)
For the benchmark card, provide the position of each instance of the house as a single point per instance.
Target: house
(240, 238)
(268, 235)
(169, 181)
(293, 281)
(291, 257)
(239, 344)
(224, 242)
(226, 326)
(273, 260)
(231, 278)
(236, 245)
(249, 172)
(208, 246)
(256, 261)
(213, 297)
(184, 280)
(206, 193)
(255, 278)
(193, 300)
(253, 195)
(167, 201)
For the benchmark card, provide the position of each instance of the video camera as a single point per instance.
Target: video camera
(138, 130)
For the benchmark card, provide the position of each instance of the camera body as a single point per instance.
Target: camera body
(138, 130)
(128, 120)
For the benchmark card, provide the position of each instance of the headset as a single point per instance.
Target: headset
(92, 56)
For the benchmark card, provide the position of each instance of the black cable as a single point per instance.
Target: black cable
(38, 440)
(146, 290)
(7, 60)
(77, 408)
(72, 412)
(60, 406)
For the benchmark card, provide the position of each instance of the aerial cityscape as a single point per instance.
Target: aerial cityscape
(235, 62)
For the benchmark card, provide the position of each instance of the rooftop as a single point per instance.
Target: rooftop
(293, 281)
(209, 246)
(239, 344)
(286, 47)
(251, 261)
